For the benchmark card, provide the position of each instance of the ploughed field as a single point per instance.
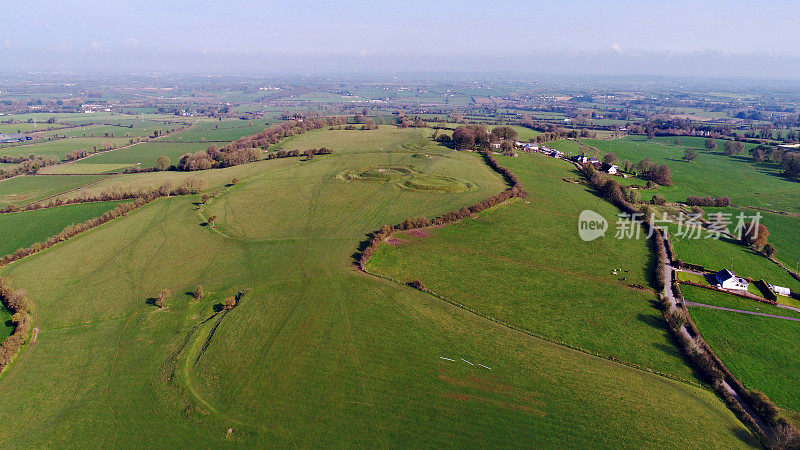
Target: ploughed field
(319, 354)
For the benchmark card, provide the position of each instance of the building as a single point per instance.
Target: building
(13, 137)
(495, 145)
(593, 161)
(781, 290)
(728, 280)
(580, 159)
(610, 169)
(531, 147)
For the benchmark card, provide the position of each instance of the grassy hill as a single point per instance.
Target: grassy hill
(316, 353)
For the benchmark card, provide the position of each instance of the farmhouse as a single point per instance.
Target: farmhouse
(495, 145)
(610, 169)
(727, 280)
(580, 159)
(593, 161)
(531, 147)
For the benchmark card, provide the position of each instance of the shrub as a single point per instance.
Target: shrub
(763, 406)
(416, 284)
(162, 295)
(198, 293)
(229, 303)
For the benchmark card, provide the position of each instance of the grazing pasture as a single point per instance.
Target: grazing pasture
(784, 233)
(524, 264)
(144, 154)
(760, 351)
(315, 353)
(712, 174)
(221, 135)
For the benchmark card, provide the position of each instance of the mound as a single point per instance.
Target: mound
(436, 183)
(376, 173)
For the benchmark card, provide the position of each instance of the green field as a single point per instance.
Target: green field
(712, 174)
(223, 134)
(59, 148)
(316, 353)
(784, 233)
(80, 168)
(760, 351)
(137, 129)
(23, 127)
(28, 189)
(22, 229)
(144, 154)
(540, 269)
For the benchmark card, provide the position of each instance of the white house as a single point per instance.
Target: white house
(531, 146)
(612, 169)
(727, 280)
(495, 145)
(580, 159)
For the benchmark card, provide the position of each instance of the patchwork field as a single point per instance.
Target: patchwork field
(22, 229)
(760, 351)
(711, 174)
(316, 353)
(29, 189)
(59, 148)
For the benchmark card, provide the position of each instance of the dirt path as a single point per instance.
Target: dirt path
(688, 303)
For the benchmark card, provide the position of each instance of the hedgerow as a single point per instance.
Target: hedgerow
(379, 236)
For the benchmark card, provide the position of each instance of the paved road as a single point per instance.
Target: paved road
(742, 311)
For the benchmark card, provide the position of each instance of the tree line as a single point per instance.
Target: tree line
(76, 229)
(25, 165)
(188, 186)
(249, 148)
(18, 302)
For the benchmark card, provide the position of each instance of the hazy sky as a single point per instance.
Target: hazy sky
(708, 38)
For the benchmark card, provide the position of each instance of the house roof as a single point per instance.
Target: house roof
(724, 274)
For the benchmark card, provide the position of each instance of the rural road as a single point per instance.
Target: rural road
(668, 270)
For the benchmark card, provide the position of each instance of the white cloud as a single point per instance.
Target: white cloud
(617, 48)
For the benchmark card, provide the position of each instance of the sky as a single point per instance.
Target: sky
(681, 38)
